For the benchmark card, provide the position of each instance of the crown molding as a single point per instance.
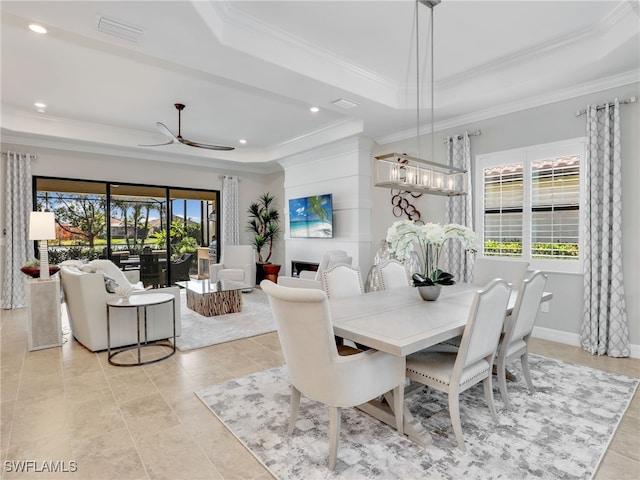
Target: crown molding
(615, 81)
(236, 29)
(619, 14)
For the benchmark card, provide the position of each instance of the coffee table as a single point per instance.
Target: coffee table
(214, 298)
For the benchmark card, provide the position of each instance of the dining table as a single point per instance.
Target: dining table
(399, 322)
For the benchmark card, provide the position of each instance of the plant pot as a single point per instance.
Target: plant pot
(34, 272)
(260, 273)
(271, 272)
(430, 292)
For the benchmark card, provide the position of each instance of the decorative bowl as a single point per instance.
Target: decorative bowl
(34, 271)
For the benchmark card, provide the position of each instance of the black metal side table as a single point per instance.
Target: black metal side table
(140, 303)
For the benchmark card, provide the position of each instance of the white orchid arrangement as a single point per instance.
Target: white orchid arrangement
(406, 236)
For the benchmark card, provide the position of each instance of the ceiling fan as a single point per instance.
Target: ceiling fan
(180, 139)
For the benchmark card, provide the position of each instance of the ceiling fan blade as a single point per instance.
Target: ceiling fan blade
(164, 129)
(204, 145)
(156, 144)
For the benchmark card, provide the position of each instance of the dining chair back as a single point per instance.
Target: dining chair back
(453, 372)
(303, 322)
(392, 275)
(294, 282)
(330, 258)
(515, 341)
(486, 269)
(342, 280)
(150, 272)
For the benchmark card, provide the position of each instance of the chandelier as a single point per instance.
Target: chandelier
(412, 173)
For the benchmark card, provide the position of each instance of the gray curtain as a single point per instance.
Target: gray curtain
(457, 260)
(230, 212)
(18, 247)
(605, 328)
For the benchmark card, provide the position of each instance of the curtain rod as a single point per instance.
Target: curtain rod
(633, 99)
(35, 157)
(459, 137)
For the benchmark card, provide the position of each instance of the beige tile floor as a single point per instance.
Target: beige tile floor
(68, 404)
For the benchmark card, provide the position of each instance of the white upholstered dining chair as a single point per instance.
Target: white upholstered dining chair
(392, 275)
(453, 372)
(486, 269)
(316, 369)
(514, 343)
(328, 260)
(342, 280)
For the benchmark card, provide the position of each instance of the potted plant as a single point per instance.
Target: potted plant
(409, 240)
(264, 224)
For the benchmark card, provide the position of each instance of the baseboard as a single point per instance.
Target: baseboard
(573, 339)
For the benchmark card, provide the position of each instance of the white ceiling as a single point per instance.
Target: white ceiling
(252, 69)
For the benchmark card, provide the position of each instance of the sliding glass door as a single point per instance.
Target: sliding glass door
(168, 223)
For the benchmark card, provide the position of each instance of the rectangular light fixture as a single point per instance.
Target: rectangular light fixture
(411, 174)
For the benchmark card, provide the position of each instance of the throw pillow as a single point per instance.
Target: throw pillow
(110, 284)
(111, 269)
(88, 268)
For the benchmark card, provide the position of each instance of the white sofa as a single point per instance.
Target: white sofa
(86, 297)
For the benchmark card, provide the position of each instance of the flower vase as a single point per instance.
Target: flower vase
(430, 292)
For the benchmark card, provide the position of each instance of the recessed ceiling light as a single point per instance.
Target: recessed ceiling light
(34, 27)
(40, 105)
(314, 109)
(242, 140)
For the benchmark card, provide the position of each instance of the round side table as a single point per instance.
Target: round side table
(140, 303)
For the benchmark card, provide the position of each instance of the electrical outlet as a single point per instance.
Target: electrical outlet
(544, 307)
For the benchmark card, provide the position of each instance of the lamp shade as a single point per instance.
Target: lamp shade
(42, 226)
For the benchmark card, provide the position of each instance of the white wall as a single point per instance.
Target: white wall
(343, 170)
(549, 123)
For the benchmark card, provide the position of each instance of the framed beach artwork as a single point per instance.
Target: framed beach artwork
(311, 217)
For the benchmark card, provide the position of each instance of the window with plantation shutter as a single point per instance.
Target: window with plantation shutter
(528, 204)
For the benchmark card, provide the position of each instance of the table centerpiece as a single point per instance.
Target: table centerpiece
(408, 239)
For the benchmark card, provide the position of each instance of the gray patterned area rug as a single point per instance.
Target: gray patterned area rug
(561, 431)
(199, 331)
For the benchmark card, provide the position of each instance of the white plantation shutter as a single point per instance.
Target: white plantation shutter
(555, 205)
(503, 204)
(530, 204)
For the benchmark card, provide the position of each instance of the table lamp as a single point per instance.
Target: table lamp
(42, 226)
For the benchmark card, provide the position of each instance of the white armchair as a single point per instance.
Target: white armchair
(86, 301)
(238, 262)
(316, 369)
